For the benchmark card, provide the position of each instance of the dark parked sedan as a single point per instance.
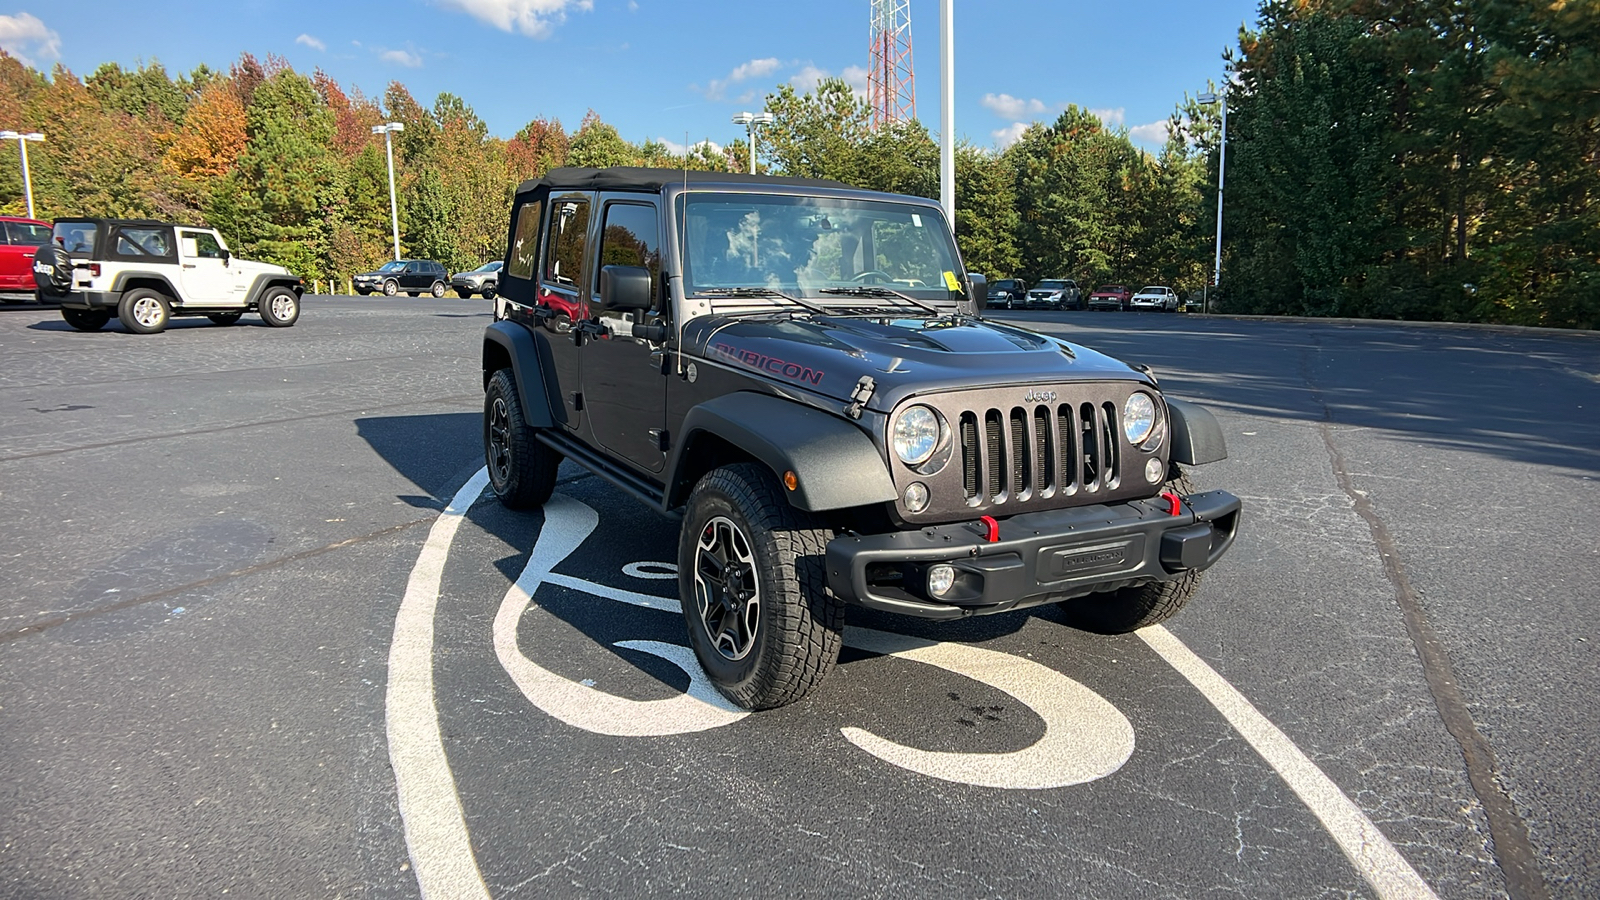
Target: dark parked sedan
(413, 276)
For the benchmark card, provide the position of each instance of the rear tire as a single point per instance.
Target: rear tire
(143, 311)
(279, 307)
(437, 290)
(1131, 608)
(753, 584)
(86, 319)
(522, 469)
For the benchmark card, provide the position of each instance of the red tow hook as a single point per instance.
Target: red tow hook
(1174, 505)
(993, 528)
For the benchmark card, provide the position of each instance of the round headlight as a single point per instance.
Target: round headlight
(1138, 417)
(916, 435)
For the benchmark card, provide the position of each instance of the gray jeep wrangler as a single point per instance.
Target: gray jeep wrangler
(803, 372)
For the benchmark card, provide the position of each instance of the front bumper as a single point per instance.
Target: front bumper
(1041, 557)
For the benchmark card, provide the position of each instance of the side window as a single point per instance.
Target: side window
(144, 242)
(205, 244)
(525, 243)
(25, 234)
(630, 238)
(569, 232)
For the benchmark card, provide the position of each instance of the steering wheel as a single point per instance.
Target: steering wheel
(860, 277)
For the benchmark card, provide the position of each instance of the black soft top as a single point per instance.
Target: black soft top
(623, 178)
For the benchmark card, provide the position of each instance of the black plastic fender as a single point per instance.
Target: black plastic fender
(509, 345)
(1196, 436)
(835, 463)
(266, 280)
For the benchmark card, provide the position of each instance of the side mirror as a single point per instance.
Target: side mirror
(977, 293)
(227, 255)
(625, 287)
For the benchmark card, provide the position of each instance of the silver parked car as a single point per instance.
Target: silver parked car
(483, 281)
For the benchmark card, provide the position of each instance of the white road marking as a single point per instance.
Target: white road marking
(436, 830)
(567, 523)
(652, 571)
(1366, 847)
(1085, 737)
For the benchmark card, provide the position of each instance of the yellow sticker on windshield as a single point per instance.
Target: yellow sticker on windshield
(951, 282)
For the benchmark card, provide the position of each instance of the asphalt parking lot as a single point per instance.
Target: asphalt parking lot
(251, 604)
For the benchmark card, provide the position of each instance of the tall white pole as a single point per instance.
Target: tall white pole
(27, 184)
(750, 134)
(394, 206)
(947, 110)
(1222, 168)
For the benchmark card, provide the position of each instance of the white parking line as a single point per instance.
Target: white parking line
(436, 830)
(1367, 848)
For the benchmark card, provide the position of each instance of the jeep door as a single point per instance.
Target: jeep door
(563, 286)
(206, 277)
(623, 388)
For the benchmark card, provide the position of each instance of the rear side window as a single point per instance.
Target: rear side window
(525, 242)
(138, 242)
(26, 234)
(568, 235)
(630, 239)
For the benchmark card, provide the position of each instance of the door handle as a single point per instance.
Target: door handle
(188, 265)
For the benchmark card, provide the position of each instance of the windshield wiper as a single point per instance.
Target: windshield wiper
(759, 292)
(865, 291)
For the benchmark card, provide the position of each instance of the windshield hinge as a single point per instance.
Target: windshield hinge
(860, 396)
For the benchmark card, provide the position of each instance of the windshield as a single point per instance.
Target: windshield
(398, 265)
(1152, 290)
(1110, 289)
(1050, 286)
(804, 246)
(489, 267)
(74, 237)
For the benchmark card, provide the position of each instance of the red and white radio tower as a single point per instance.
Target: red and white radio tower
(891, 86)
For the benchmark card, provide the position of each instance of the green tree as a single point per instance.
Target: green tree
(986, 212)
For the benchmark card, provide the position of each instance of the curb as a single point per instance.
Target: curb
(1406, 323)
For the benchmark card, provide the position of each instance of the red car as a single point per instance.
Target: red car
(19, 238)
(1111, 296)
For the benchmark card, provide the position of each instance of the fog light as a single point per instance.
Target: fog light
(916, 497)
(941, 579)
(1153, 470)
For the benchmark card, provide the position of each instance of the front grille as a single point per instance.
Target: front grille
(1039, 451)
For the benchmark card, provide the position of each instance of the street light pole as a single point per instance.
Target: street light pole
(947, 110)
(387, 130)
(750, 121)
(22, 146)
(1222, 171)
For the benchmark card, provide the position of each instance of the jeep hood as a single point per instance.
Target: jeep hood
(903, 356)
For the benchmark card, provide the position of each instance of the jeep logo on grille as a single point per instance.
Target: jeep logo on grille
(1037, 396)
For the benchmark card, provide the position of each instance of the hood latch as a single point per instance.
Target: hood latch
(860, 396)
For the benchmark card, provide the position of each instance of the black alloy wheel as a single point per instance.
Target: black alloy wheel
(727, 590)
(522, 469)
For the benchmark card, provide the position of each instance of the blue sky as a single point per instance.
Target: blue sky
(666, 68)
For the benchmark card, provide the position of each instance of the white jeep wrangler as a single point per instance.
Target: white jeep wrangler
(145, 272)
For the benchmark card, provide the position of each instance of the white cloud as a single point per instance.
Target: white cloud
(27, 38)
(1111, 118)
(1008, 107)
(306, 40)
(755, 68)
(1009, 135)
(806, 80)
(533, 18)
(401, 58)
(677, 149)
(1153, 133)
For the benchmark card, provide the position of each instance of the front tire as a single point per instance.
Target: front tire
(280, 307)
(522, 469)
(143, 311)
(1131, 608)
(753, 585)
(391, 287)
(488, 293)
(86, 319)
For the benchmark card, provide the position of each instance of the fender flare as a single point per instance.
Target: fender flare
(271, 280)
(120, 283)
(507, 345)
(836, 464)
(1196, 436)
